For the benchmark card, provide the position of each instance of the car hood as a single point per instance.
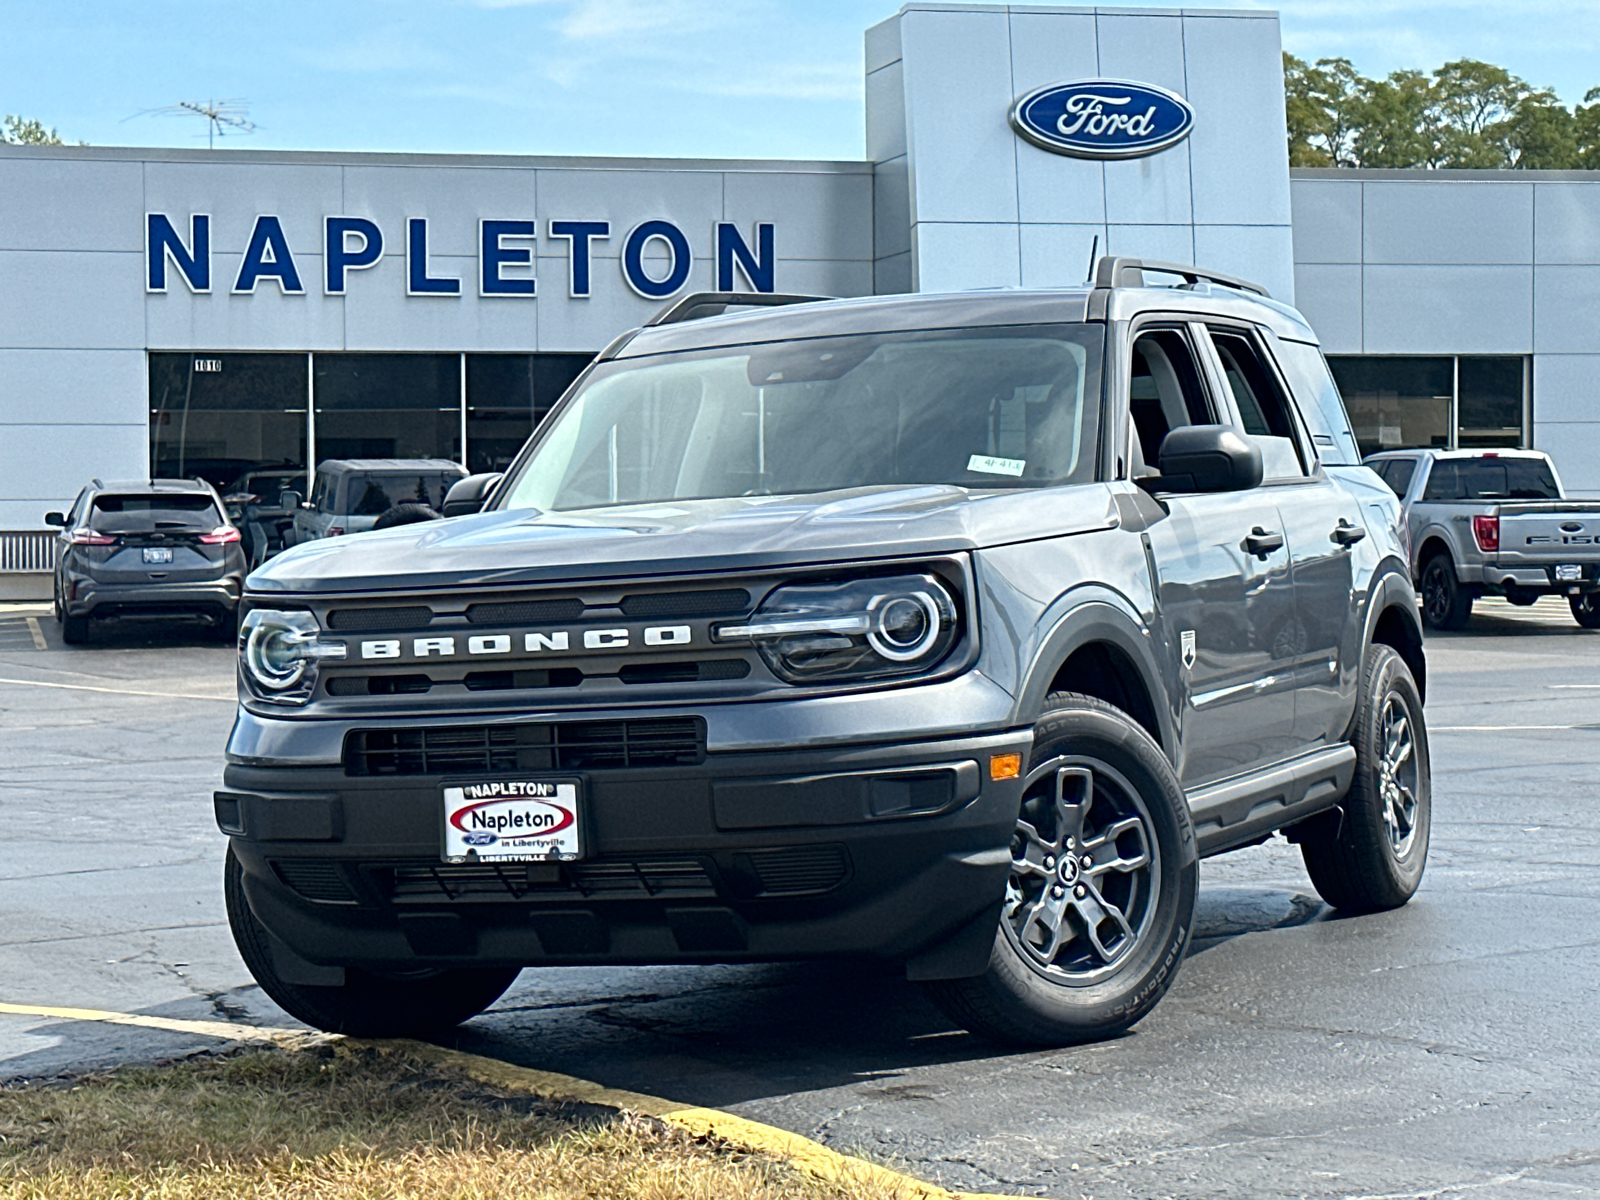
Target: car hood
(682, 537)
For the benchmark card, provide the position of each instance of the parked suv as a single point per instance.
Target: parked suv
(948, 630)
(1493, 523)
(141, 551)
(351, 494)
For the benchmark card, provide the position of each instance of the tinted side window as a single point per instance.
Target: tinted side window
(1399, 474)
(1164, 391)
(1320, 402)
(1263, 407)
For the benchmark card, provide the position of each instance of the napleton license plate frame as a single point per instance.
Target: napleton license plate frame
(527, 819)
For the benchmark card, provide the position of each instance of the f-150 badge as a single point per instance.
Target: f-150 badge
(1186, 639)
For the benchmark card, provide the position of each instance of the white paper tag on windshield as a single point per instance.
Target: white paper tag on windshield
(988, 465)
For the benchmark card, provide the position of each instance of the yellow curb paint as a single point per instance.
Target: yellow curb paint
(811, 1157)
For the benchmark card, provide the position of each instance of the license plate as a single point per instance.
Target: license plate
(158, 555)
(512, 820)
(1569, 574)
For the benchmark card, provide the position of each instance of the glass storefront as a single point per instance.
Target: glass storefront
(1444, 402)
(221, 416)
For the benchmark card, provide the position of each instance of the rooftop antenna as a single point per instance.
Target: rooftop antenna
(222, 116)
(1094, 255)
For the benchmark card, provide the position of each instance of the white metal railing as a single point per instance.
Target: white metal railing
(33, 550)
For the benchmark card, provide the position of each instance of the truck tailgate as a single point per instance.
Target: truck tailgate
(1541, 533)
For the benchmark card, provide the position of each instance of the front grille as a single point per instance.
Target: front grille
(684, 672)
(315, 879)
(501, 749)
(795, 869)
(677, 877)
(526, 612)
(368, 620)
(726, 602)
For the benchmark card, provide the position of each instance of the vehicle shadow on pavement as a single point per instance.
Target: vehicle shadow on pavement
(142, 635)
(730, 1034)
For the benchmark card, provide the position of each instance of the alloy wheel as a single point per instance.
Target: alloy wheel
(1397, 775)
(1085, 871)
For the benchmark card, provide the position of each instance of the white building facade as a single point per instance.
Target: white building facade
(205, 313)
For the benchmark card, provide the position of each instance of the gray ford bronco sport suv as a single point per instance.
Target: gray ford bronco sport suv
(947, 630)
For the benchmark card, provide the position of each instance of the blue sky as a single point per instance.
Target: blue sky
(705, 78)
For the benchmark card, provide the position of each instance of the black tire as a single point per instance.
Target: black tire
(1586, 609)
(226, 630)
(367, 1004)
(409, 513)
(1374, 858)
(1057, 991)
(1445, 603)
(74, 630)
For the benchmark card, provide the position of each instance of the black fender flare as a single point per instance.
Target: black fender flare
(1084, 616)
(1392, 590)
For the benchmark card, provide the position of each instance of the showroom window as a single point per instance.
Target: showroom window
(1442, 401)
(224, 416)
(220, 416)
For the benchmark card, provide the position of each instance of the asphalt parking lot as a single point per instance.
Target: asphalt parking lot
(1450, 1048)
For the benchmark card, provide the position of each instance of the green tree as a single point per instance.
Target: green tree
(1586, 131)
(22, 131)
(1320, 103)
(1395, 124)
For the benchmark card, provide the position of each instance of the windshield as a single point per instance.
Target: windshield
(980, 408)
(142, 514)
(1491, 479)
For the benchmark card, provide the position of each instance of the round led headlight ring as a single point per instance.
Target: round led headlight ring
(273, 656)
(904, 627)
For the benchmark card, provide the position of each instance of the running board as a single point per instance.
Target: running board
(1250, 807)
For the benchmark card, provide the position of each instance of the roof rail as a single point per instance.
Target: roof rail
(1129, 272)
(711, 304)
(96, 482)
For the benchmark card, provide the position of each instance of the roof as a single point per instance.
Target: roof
(152, 486)
(1479, 452)
(397, 465)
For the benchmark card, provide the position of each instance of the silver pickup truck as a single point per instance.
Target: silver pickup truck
(1493, 523)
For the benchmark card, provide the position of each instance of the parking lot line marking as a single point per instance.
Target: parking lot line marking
(1500, 728)
(801, 1152)
(38, 634)
(226, 1030)
(85, 687)
(1572, 687)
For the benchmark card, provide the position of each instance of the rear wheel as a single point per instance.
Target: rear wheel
(1102, 889)
(1445, 603)
(367, 1004)
(1586, 609)
(1374, 858)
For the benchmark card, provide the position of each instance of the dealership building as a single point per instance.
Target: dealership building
(181, 313)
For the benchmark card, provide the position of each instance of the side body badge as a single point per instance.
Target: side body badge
(1187, 640)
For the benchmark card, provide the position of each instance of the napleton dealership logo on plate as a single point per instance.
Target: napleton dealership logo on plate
(1102, 118)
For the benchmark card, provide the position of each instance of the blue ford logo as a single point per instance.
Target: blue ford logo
(1102, 118)
(480, 839)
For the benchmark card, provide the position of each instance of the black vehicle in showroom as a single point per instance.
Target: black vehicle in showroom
(949, 631)
(147, 551)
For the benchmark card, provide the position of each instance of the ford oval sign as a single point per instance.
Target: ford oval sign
(1102, 118)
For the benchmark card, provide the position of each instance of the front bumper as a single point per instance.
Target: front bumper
(893, 852)
(214, 598)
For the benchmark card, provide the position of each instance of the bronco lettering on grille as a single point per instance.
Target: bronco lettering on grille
(559, 641)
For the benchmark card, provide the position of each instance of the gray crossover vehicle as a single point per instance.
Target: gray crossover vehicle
(143, 551)
(943, 630)
(1493, 523)
(350, 494)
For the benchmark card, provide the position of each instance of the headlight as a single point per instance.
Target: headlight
(865, 629)
(279, 653)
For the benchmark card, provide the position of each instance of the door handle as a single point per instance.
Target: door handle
(1347, 534)
(1262, 542)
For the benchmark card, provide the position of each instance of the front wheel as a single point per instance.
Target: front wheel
(1586, 609)
(408, 1004)
(1101, 895)
(1445, 603)
(1373, 859)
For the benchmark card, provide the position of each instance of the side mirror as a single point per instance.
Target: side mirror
(288, 499)
(58, 520)
(1207, 458)
(469, 495)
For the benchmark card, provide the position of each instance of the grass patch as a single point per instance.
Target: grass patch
(342, 1122)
